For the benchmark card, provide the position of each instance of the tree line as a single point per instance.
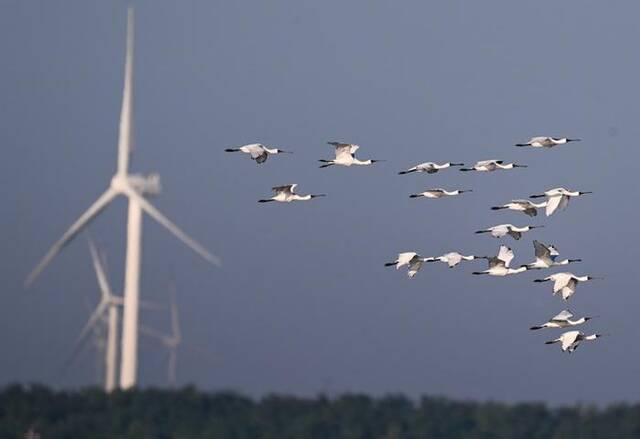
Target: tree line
(39, 412)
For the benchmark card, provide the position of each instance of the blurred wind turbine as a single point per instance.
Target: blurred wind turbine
(172, 341)
(134, 187)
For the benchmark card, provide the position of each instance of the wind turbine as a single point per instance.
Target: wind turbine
(171, 341)
(134, 187)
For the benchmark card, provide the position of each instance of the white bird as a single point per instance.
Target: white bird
(429, 167)
(439, 193)
(412, 259)
(570, 340)
(492, 165)
(558, 198)
(508, 229)
(454, 258)
(525, 206)
(546, 256)
(345, 156)
(546, 142)
(565, 283)
(499, 265)
(286, 194)
(562, 320)
(258, 151)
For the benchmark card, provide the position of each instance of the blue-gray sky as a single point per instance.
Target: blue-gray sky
(303, 303)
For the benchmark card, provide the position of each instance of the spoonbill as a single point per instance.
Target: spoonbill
(499, 265)
(439, 193)
(547, 142)
(454, 258)
(546, 256)
(565, 283)
(258, 151)
(345, 156)
(562, 320)
(570, 340)
(429, 167)
(558, 198)
(492, 165)
(286, 194)
(412, 259)
(525, 206)
(508, 229)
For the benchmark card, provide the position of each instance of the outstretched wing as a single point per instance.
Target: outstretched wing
(288, 188)
(505, 255)
(553, 203)
(405, 258)
(563, 316)
(542, 251)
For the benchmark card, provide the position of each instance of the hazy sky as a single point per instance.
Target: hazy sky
(303, 303)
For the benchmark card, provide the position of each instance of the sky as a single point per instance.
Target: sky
(302, 303)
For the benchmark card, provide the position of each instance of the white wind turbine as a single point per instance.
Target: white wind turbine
(172, 341)
(132, 186)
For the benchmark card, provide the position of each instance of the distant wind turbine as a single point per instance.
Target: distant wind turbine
(134, 187)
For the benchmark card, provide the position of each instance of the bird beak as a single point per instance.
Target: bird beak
(318, 195)
(285, 152)
(573, 140)
(575, 260)
(536, 227)
(376, 161)
(583, 193)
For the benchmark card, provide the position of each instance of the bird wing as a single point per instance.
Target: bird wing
(405, 258)
(563, 316)
(499, 231)
(515, 235)
(287, 188)
(452, 258)
(553, 203)
(486, 162)
(568, 339)
(560, 280)
(506, 255)
(542, 251)
(414, 266)
(494, 261)
(344, 150)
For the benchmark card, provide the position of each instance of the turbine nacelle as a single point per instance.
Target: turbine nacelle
(142, 184)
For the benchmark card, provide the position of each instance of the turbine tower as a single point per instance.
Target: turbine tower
(134, 187)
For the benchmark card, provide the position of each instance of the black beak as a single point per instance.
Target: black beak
(575, 260)
(318, 195)
(573, 140)
(587, 192)
(536, 227)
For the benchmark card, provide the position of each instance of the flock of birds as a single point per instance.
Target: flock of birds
(546, 256)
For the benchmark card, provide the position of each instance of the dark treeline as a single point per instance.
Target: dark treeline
(189, 413)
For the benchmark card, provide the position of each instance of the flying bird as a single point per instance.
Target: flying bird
(525, 206)
(562, 320)
(429, 167)
(258, 151)
(499, 265)
(546, 256)
(454, 258)
(570, 340)
(412, 259)
(286, 194)
(558, 198)
(508, 229)
(546, 142)
(565, 283)
(492, 165)
(439, 193)
(345, 156)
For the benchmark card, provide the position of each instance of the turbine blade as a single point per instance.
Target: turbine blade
(103, 282)
(75, 228)
(125, 137)
(175, 322)
(163, 220)
(83, 337)
(152, 333)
